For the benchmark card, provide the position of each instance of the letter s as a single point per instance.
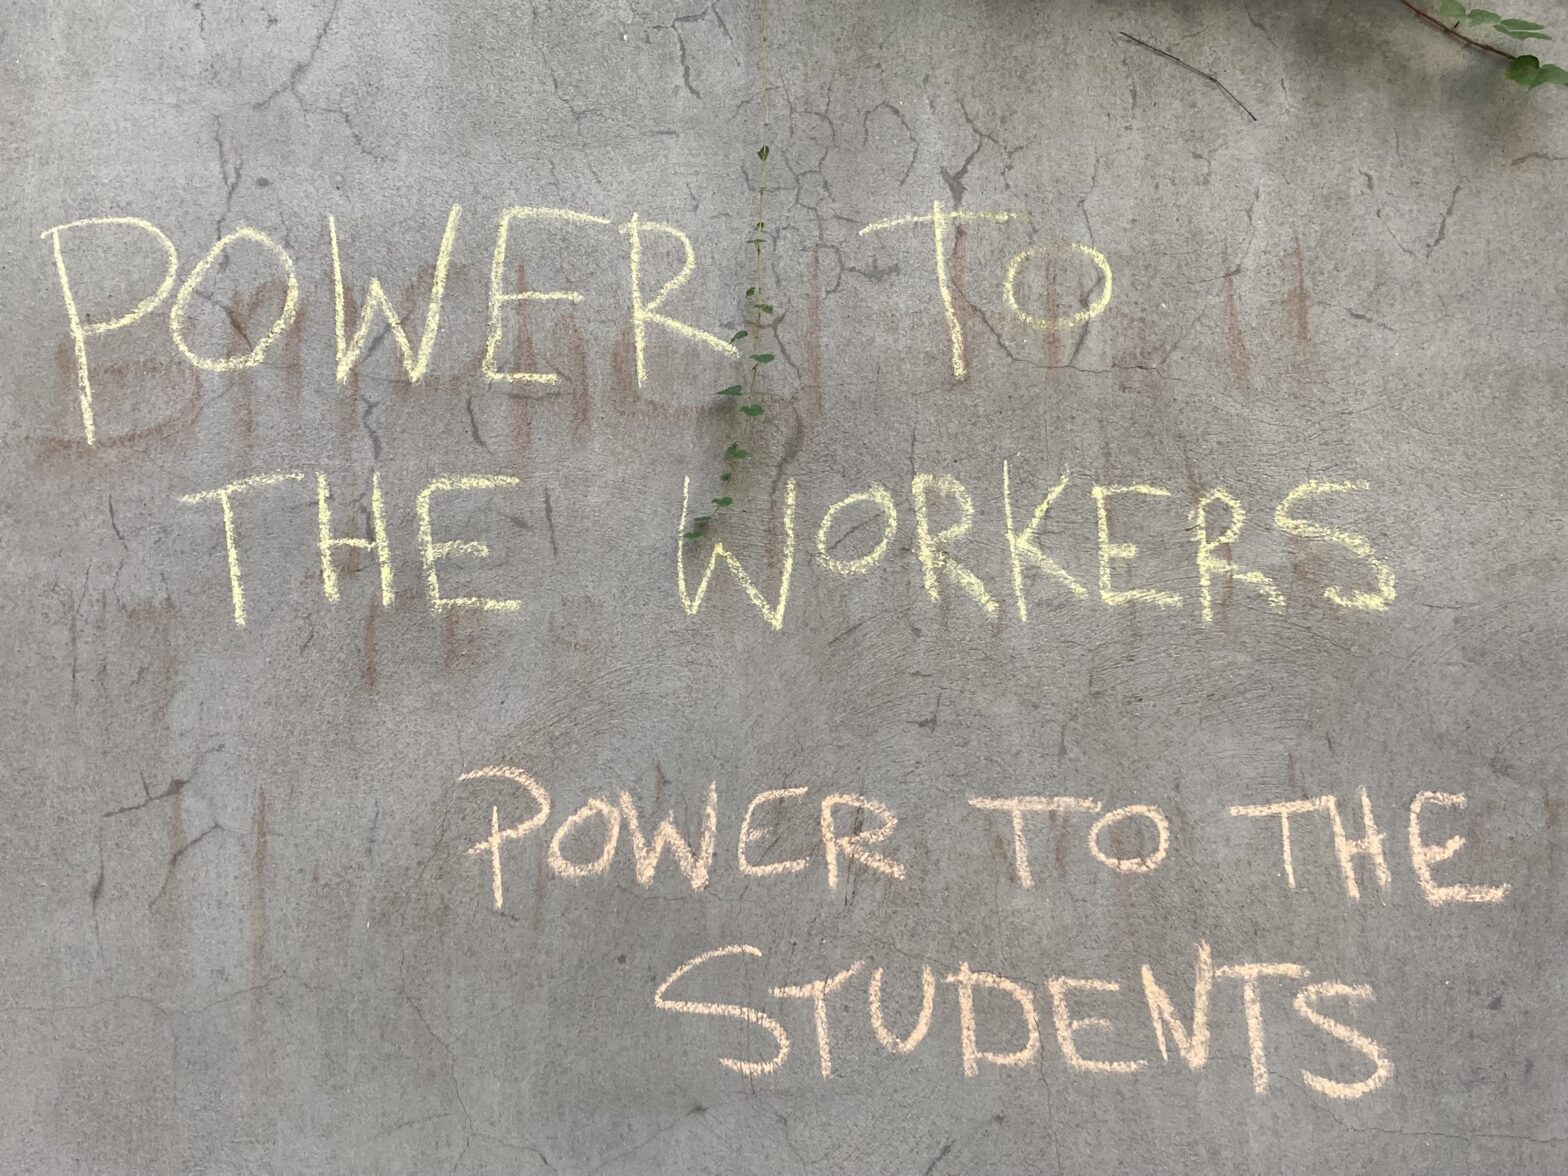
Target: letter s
(739, 1012)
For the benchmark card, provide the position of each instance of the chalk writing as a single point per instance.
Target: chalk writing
(1000, 1046)
(1084, 1010)
(937, 551)
(82, 331)
(377, 303)
(645, 309)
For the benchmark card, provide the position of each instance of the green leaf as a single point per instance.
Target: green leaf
(1523, 26)
(725, 476)
(1480, 16)
(764, 308)
(703, 520)
(689, 535)
(1451, 10)
(734, 453)
(1522, 34)
(737, 336)
(762, 152)
(750, 290)
(725, 501)
(1524, 70)
(751, 410)
(732, 390)
(1553, 75)
(765, 357)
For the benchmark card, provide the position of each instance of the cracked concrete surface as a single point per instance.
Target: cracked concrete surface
(243, 931)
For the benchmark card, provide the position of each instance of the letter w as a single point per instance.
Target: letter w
(774, 614)
(694, 865)
(378, 304)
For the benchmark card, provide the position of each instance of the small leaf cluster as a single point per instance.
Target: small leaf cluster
(1528, 71)
(1519, 30)
(1525, 69)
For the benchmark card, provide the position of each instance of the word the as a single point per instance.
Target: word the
(431, 551)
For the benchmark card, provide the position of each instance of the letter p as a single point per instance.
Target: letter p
(80, 331)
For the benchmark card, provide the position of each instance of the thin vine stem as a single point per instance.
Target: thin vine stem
(757, 308)
(1454, 32)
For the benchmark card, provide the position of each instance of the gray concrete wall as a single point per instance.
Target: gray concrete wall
(242, 928)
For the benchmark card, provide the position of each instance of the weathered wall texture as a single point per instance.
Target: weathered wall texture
(242, 932)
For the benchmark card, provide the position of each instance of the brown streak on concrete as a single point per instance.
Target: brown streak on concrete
(258, 900)
(1237, 359)
(811, 403)
(368, 669)
(184, 416)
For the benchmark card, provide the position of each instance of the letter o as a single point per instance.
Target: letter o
(854, 567)
(284, 321)
(562, 868)
(1059, 250)
(1138, 865)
